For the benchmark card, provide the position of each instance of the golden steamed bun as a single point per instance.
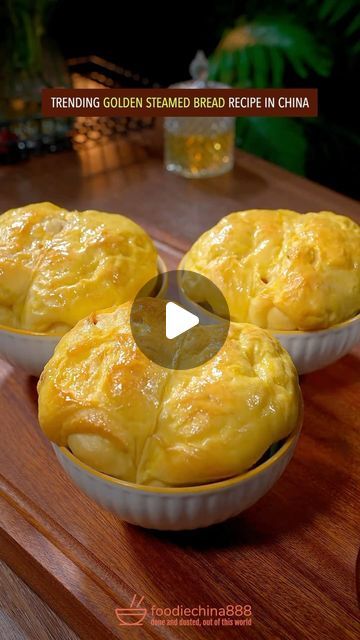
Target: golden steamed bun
(281, 269)
(57, 266)
(125, 416)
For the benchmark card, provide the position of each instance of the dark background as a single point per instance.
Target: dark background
(158, 41)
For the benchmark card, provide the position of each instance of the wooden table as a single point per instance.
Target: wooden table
(292, 556)
(24, 616)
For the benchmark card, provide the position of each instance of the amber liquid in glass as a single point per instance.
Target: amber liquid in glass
(199, 154)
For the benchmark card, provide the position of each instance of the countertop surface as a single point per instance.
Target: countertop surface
(292, 556)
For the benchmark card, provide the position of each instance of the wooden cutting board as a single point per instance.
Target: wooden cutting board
(292, 557)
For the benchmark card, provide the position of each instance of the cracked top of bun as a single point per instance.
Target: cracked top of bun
(56, 266)
(122, 414)
(280, 269)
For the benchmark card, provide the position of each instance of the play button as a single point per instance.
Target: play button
(173, 330)
(178, 320)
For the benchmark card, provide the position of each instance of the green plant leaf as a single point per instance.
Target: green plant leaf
(279, 140)
(243, 68)
(326, 8)
(277, 66)
(261, 63)
(356, 48)
(339, 12)
(333, 11)
(270, 43)
(226, 67)
(354, 26)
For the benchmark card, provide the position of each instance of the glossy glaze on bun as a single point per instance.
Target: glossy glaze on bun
(281, 269)
(56, 266)
(125, 416)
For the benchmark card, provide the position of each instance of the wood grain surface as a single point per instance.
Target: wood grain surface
(24, 616)
(292, 557)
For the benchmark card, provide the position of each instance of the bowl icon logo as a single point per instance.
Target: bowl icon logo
(134, 615)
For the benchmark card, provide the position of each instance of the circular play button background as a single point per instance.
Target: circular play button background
(171, 329)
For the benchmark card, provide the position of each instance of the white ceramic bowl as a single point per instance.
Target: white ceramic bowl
(311, 350)
(179, 508)
(30, 350)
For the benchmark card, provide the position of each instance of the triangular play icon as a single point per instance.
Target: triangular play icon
(178, 320)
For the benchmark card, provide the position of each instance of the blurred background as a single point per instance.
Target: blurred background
(313, 43)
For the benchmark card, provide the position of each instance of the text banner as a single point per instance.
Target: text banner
(180, 102)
